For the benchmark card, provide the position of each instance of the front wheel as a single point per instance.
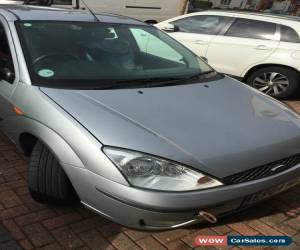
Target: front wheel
(278, 82)
(47, 180)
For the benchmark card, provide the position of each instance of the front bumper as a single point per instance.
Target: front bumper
(152, 210)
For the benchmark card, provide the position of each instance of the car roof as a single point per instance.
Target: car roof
(27, 12)
(250, 14)
(262, 14)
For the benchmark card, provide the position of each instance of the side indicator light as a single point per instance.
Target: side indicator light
(18, 111)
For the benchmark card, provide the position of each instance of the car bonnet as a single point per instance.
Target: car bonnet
(221, 127)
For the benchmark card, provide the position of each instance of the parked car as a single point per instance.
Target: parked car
(262, 50)
(115, 112)
(150, 11)
(11, 2)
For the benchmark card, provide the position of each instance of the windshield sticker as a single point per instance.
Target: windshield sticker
(27, 24)
(46, 73)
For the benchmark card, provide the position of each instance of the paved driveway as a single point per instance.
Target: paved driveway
(25, 224)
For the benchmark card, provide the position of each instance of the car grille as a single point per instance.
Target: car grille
(262, 171)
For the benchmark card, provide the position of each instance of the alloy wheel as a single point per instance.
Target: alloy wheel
(271, 83)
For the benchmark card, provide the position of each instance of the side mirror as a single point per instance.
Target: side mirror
(170, 28)
(6, 74)
(204, 59)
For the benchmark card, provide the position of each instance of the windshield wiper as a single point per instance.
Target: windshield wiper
(142, 82)
(202, 75)
(195, 77)
(155, 81)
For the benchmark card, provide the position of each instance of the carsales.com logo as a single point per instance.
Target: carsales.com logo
(232, 240)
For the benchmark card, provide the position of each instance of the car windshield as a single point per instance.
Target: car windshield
(102, 55)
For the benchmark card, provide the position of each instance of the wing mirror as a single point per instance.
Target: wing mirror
(204, 59)
(7, 75)
(170, 28)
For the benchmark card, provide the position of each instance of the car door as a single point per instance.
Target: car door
(246, 42)
(196, 32)
(8, 69)
(289, 45)
(143, 10)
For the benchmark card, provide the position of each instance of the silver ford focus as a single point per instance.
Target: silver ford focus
(117, 114)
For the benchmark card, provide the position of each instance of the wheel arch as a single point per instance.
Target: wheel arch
(29, 131)
(260, 66)
(27, 142)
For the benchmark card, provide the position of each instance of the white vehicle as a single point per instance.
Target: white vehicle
(150, 11)
(11, 1)
(262, 50)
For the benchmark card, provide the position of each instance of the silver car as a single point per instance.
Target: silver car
(117, 114)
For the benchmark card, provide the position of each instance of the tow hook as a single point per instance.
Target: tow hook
(208, 217)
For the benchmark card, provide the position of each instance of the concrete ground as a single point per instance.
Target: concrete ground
(25, 224)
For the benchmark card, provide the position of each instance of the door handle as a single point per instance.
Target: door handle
(262, 47)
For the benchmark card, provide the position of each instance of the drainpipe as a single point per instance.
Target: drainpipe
(182, 7)
(77, 4)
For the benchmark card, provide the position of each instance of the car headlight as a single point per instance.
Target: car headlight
(146, 171)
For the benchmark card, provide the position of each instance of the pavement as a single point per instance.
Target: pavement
(25, 224)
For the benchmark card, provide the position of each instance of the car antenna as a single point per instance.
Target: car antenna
(93, 14)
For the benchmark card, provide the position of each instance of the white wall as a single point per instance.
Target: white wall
(158, 10)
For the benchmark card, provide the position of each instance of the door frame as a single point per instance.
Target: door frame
(7, 88)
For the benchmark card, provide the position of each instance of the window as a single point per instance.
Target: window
(104, 55)
(289, 35)
(225, 2)
(48, 2)
(5, 54)
(150, 44)
(62, 2)
(210, 25)
(252, 29)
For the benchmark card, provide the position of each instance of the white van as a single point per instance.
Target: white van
(150, 11)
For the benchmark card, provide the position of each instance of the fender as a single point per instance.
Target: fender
(14, 126)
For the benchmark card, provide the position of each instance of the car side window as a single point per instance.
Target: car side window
(247, 28)
(202, 24)
(6, 61)
(289, 35)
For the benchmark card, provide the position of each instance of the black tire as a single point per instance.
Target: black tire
(47, 180)
(291, 75)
